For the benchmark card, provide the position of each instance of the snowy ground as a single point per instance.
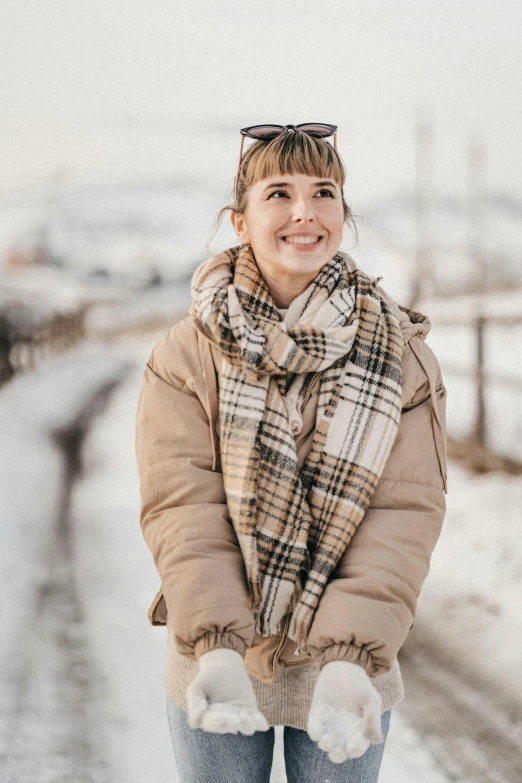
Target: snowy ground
(81, 667)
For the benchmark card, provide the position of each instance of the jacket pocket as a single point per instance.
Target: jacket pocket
(158, 610)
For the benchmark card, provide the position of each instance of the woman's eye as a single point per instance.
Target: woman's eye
(278, 193)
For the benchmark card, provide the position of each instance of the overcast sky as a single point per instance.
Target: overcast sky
(105, 90)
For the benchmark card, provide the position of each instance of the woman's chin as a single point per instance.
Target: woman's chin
(300, 262)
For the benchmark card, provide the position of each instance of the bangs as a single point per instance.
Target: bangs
(292, 153)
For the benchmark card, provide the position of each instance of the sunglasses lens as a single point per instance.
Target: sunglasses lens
(263, 131)
(317, 129)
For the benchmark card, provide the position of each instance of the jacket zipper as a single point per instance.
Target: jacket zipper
(280, 646)
(282, 643)
(308, 389)
(290, 664)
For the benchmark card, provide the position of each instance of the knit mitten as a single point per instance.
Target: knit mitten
(345, 714)
(221, 697)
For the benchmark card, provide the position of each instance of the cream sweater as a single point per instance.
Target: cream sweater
(285, 701)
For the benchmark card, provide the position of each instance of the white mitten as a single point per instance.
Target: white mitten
(345, 714)
(221, 697)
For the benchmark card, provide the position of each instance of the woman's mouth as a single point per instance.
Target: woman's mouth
(303, 241)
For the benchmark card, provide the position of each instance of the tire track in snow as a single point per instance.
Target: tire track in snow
(55, 731)
(472, 728)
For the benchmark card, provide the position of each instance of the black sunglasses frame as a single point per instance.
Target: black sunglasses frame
(329, 130)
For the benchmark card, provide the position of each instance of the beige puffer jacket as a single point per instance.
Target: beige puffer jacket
(368, 605)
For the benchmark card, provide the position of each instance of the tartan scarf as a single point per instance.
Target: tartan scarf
(294, 525)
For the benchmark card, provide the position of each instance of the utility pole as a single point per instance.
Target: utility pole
(478, 273)
(422, 283)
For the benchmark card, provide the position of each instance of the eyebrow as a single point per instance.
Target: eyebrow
(289, 185)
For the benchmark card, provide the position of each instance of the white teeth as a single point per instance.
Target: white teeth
(302, 240)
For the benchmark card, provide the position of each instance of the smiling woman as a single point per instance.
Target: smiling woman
(296, 226)
(290, 438)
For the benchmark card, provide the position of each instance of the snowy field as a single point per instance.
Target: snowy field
(81, 666)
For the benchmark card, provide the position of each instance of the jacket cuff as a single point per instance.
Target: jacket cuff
(351, 654)
(214, 639)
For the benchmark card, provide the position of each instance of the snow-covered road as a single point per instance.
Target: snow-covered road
(85, 701)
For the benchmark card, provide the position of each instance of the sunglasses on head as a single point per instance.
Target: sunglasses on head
(319, 130)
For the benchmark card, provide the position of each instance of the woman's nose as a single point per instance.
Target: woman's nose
(303, 210)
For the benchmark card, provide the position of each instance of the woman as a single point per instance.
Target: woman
(291, 444)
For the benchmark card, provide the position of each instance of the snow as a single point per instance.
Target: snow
(117, 581)
(406, 757)
(472, 595)
(30, 296)
(161, 303)
(127, 231)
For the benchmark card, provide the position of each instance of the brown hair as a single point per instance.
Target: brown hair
(290, 152)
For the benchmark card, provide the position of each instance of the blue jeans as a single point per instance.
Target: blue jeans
(208, 757)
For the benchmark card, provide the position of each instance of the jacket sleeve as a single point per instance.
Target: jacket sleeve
(368, 605)
(184, 518)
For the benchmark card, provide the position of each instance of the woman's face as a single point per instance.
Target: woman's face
(294, 224)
